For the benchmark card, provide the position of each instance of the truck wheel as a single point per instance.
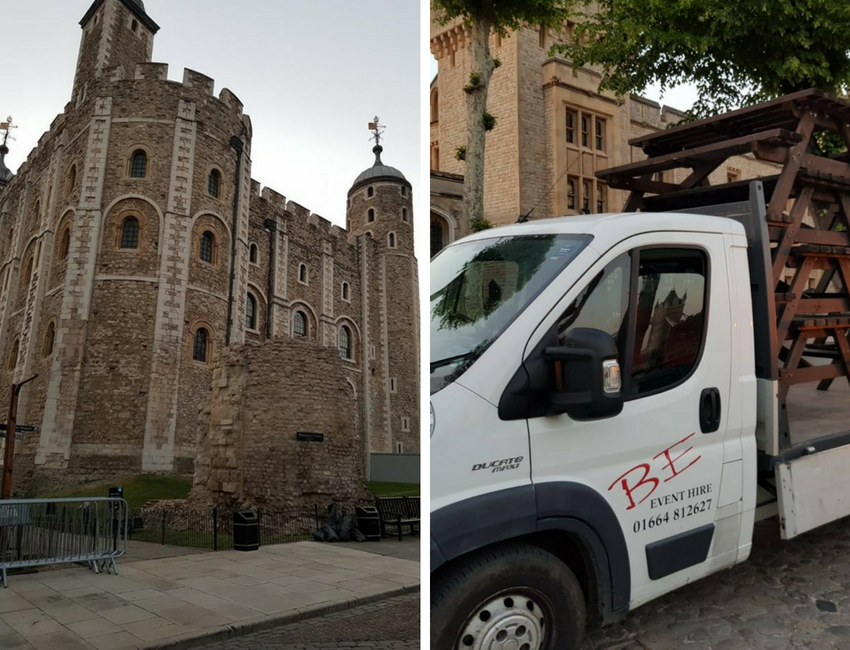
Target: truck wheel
(512, 598)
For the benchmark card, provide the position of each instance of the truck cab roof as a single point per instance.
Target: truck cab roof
(619, 225)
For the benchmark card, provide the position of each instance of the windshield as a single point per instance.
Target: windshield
(480, 287)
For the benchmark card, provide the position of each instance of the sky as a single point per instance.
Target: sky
(310, 85)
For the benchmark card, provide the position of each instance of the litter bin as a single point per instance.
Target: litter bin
(369, 522)
(246, 531)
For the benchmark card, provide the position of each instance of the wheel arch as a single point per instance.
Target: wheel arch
(570, 520)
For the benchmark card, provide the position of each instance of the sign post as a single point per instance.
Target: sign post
(9, 458)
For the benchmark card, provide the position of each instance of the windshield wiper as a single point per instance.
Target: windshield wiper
(450, 360)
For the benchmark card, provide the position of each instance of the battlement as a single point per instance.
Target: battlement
(277, 200)
(155, 71)
(652, 114)
(193, 79)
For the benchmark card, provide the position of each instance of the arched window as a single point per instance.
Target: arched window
(302, 273)
(65, 244)
(404, 215)
(49, 340)
(345, 342)
(200, 346)
(346, 292)
(391, 240)
(13, 357)
(299, 324)
(571, 194)
(370, 217)
(72, 179)
(130, 233)
(207, 245)
(435, 105)
(214, 183)
(370, 192)
(254, 254)
(139, 164)
(251, 312)
(438, 235)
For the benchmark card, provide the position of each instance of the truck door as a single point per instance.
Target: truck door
(664, 298)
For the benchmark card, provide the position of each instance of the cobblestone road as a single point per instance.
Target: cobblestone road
(793, 594)
(386, 625)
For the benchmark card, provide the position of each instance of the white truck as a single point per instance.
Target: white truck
(599, 435)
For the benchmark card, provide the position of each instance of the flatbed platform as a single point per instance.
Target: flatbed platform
(814, 413)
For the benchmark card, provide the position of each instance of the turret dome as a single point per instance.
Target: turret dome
(378, 170)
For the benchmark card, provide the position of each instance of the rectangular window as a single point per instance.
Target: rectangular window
(664, 307)
(600, 134)
(405, 424)
(392, 385)
(571, 126)
(585, 130)
(600, 198)
(670, 318)
(399, 448)
(585, 197)
(571, 193)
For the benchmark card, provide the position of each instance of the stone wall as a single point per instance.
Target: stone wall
(263, 395)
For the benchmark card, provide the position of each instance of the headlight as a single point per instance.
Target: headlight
(432, 420)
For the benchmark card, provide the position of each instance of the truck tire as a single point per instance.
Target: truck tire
(517, 596)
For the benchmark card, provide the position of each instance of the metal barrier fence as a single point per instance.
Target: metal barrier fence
(38, 532)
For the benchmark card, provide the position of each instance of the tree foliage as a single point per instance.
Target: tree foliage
(737, 53)
(503, 15)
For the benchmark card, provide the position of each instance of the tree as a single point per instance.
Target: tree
(482, 17)
(737, 53)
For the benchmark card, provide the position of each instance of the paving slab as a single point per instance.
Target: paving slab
(179, 601)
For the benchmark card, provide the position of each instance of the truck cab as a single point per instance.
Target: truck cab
(593, 422)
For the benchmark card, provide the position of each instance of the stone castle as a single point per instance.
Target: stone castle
(555, 130)
(178, 316)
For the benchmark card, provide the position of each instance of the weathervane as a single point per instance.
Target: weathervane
(5, 128)
(378, 130)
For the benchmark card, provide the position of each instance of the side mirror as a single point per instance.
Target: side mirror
(587, 375)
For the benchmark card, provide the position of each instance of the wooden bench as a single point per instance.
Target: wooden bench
(398, 512)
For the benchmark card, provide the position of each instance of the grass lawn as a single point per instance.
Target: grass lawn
(138, 490)
(393, 489)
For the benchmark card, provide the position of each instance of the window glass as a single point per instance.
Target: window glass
(344, 342)
(139, 164)
(479, 287)
(199, 348)
(251, 313)
(603, 304)
(299, 327)
(130, 233)
(669, 318)
(207, 247)
(214, 183)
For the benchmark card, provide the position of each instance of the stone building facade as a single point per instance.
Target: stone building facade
(555, 129)
(137, 250)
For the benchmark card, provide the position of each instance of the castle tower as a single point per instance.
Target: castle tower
(380, 218)
(105, 43)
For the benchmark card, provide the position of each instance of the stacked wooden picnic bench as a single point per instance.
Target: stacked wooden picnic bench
(807, 214)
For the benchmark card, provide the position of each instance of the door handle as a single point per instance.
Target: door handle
(709, 410)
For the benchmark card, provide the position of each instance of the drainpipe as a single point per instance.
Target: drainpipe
(236, 143)
(271, 226)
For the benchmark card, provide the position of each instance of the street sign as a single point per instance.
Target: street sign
(23, 428)
(18, 436)
(307, 436)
